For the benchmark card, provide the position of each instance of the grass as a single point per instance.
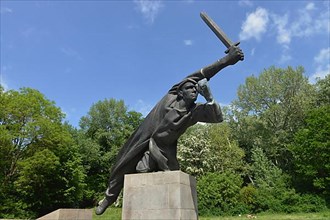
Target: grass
(110, 213)
(276, 216)
(115, 214)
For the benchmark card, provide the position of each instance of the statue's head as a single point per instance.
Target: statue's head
(187, 91)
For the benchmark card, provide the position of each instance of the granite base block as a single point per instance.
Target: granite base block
(160, 195)
(69, 214)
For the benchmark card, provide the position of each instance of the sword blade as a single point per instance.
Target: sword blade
(216, 29)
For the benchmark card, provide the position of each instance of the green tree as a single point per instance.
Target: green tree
(264, 172)
(218, 193)
(311, 152)
(30, 130)
(271, 183)
(209, 148)
(225, 154)
(194, 150)
(269, 109)
(271, 189)
(24, 117)
(104, 130)
(323, 91)
(110, 124)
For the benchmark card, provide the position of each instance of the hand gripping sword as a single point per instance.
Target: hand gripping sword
(217, 31)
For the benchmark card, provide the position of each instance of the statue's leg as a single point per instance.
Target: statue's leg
(116, 183)
(146, 164)
(111, 194)
(158, 156)
(173, 164)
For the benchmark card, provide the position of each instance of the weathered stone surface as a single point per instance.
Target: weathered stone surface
(69, 214)
(160, 195)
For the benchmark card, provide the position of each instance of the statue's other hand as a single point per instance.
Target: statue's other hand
(202, 84)
(204, 89)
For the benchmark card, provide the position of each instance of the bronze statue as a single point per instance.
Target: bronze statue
(153, 146)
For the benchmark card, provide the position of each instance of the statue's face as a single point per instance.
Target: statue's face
(189, 92)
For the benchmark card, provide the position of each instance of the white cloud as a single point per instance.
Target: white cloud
(283, 34)
(303, 25)
(188, 42)
(189, 1)
(224, 104)
(70, 52)
(305, 22)
(6, 10)
(3, 83)
(133, 26)
(322, 61)
(28, 32)
(320, 73)
(149, 8)
(34, 33)
(308, 21)
(253, 51)
(245, 3)
(310, 6)
(143, 107)
(322, 22)
(255, 24)
(285, 57)
(323, 56)
(5, 69)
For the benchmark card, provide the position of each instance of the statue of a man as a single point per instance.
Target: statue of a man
(153, 146)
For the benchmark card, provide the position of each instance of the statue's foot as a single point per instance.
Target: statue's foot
(102, 206)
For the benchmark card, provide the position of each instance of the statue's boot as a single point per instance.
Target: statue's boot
(103, 205)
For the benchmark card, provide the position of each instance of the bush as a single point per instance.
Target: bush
(218, 193)
(285, 200)
(248, 198)
(311, 203)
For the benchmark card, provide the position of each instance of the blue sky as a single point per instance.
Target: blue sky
(79, 52)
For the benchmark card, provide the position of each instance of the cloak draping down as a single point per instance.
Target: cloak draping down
(164, 124)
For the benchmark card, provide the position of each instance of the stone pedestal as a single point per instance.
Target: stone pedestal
(161, 195)
(68, 214)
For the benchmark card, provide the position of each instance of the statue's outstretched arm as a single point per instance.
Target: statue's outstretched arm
(234, 54)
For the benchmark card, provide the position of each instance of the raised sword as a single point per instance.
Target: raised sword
(217, 31)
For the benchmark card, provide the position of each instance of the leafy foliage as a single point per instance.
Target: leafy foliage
(270, 182)
(218, 193)
(38, 155)
(194, 151)
(271, 190)
(269, 109)
(311, 151)
(323, 91)
(208, 148)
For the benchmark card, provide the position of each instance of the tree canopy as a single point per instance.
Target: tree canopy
(311, 151)
(39, 161)
(269, 109)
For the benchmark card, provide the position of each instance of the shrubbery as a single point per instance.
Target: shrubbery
(222, 194)
(218, 193)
